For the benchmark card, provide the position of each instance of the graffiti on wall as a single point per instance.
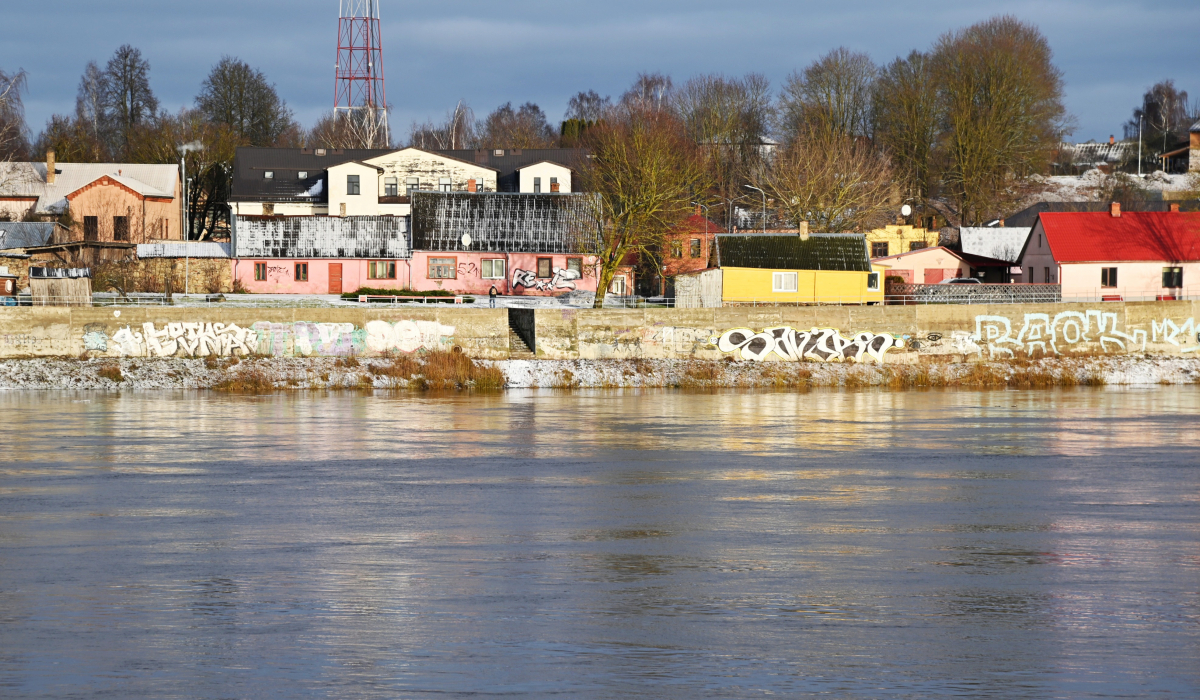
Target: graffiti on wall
(1041, 333)
(821, 344)
(563, 279)
(300, 339)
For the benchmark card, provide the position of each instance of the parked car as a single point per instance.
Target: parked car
(961, 280)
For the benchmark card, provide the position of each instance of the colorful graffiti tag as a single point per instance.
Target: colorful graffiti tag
(301, 339)
(821, 344)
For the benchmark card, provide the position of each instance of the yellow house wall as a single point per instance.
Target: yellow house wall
(901, 238)
(748, 285)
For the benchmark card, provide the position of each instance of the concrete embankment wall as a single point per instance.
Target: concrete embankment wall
(860, 333)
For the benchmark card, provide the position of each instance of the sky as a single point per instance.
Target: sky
(489, 53)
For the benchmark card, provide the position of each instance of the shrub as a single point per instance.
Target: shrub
(396, 293)
(252, 380)
(111, 372)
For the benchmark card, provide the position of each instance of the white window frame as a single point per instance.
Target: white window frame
(779, 282)
(873, 281)
(618, 287)
(492, 268)
(444, 184)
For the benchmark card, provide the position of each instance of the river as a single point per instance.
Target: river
(1006, 544)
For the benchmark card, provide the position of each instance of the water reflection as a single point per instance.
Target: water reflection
(603, 544)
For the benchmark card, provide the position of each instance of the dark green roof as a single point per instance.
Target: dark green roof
(822, 251)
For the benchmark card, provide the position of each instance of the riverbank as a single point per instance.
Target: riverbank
(455, 371)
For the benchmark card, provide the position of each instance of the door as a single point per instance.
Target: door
(335, 278)
(933, 275)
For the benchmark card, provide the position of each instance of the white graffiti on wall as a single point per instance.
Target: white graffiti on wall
(193, 339)
(821, 344)
(563, 279)
(300, 338)
(407, 336)
(1042, 333)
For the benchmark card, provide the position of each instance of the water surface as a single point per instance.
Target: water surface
(969, 544)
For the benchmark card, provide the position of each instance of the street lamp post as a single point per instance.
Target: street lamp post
(184, 149)
(764, 198)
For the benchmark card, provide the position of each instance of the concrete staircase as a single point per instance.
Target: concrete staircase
(517, 349)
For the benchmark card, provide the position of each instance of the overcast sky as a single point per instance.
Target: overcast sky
(487, 53)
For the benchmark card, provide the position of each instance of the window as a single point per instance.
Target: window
(120, 228)
(618, 286)
(873, 281)
(575, 265)
(917, 245)
(391, 187)
(91, 228)
(1039, 240)
(444, 184)
(695, 247)
(537, 185)
(443, 269)
(1046, 274)
(302, 175)
(411, 184)
(301, 272)
(785, 281)
(554, 184)
(260, 272)
(381, 270)
(351, 184)
(493, 269)
(1108, 277)
(879, 250)
(498, 152)
(1172, 276)
(268, 174)
(676, 249)
(545, 268)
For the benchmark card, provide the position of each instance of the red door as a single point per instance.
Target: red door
(335, 278)
(933, 275)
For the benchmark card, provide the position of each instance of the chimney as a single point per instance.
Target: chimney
(697, 210)
(1115, 210)
(1111, 139)
(50, 165)
(804, 230)
(1174, 207)
(471, 186)
(1001, 224)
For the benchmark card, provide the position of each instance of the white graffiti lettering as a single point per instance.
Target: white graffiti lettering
(407, 336)
(563, 279)
(821, 344)
(1041, 333)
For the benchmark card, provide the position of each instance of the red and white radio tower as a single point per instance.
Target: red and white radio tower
(358, 93)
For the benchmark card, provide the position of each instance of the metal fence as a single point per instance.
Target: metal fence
(902, 294)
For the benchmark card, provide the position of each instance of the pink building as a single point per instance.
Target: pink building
(933, 265)
(1115, 256)
(476, 273)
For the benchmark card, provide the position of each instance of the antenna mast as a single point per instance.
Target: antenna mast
(358, 94)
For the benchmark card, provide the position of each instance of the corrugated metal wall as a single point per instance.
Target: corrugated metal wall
(506, 223)
(321, 237)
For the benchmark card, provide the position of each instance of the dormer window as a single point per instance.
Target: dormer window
(269, 175)
(302, 175)
(498, 152)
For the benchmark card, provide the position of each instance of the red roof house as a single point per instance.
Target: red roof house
(1113, 255)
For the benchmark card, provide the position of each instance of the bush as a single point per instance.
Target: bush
(249, 381)
(111, 372)
(396, 293)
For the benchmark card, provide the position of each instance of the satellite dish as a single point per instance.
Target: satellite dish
(466, 240)
(905, 210)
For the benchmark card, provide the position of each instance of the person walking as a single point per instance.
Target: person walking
(492, 294)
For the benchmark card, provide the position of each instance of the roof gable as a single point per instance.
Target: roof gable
(434, 154)
(1131, 237)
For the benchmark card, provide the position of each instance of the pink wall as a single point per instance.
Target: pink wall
(1135, 280)
(520, 276)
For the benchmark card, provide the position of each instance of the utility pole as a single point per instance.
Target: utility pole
(1139, 145)
(764, 198)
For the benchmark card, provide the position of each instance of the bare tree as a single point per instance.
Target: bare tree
(835, 182)
(525, 127)
(347, 129)
(129, 101)
(1003, 115)
(239, 96)
(651, 91)
(14, 142)
(830, 96)
(456, 132)
(729, 118)
(588, 106)
(908, 123)
(1163, 119)
(645, 171)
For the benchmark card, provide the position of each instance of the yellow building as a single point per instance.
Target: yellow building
(822, 268)
(893, 240)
